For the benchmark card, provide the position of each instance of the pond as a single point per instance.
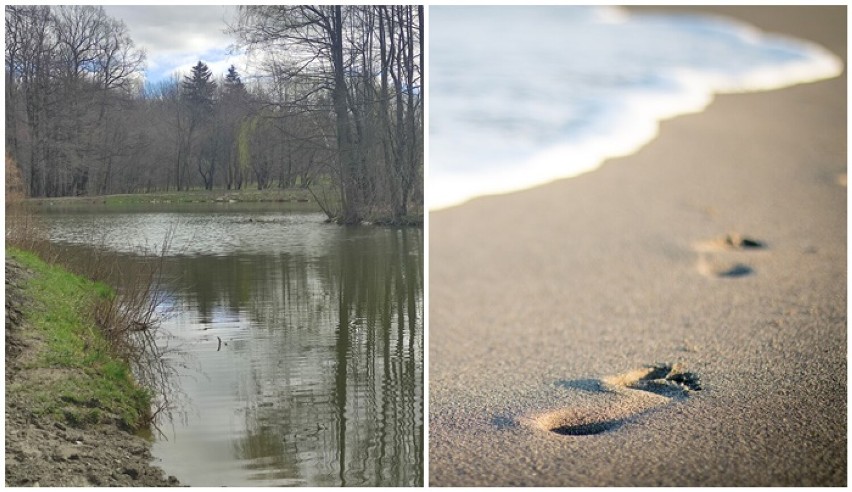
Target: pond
(299, 343)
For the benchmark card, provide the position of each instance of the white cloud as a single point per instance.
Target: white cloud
(183, 63)
(176, 37)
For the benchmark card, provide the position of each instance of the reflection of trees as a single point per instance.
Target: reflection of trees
(380, 295)
(270, 458)
(334, 393)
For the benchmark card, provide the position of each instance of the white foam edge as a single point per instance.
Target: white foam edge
(646, 112)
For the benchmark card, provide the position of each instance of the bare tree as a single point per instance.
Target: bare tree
(340, 110)
(65, 66)
(332, 57)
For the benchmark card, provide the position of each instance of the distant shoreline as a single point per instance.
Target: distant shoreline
(291, 199)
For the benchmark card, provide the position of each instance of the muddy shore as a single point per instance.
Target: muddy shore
(44, 451)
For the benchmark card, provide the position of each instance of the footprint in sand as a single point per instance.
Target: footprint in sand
(636, 392)
(716, 257)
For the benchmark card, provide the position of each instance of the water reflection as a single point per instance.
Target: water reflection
(319, 378)
(322, 367)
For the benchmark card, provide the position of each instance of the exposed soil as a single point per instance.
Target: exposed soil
(43, 451)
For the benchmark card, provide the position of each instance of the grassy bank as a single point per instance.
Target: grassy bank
(77, 377)
(295, 197)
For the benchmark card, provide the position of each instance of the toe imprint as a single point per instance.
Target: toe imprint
(638, 391)
(717, 258)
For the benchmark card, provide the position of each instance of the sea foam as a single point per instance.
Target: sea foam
(520, 96)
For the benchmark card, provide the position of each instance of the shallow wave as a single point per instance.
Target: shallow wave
(521, 96)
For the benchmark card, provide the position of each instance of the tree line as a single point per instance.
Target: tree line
(335, 105)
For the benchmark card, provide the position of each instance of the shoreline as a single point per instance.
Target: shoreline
(68, 411)
(539, 298)
(290, 200)
(640, 118)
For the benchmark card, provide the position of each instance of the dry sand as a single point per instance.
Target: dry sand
(543, 302)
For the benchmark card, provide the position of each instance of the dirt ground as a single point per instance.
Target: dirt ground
(42, 451)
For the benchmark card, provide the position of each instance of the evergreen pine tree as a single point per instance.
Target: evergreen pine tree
(234, 87)
(198, 88)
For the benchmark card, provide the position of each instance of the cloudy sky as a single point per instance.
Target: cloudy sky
(176, 37)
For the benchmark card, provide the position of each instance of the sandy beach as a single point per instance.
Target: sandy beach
(718, 252)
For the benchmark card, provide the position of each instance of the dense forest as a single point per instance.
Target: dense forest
(334, 105)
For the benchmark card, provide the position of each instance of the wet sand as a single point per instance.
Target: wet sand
(546, 305)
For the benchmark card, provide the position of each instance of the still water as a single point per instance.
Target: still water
(318, 379)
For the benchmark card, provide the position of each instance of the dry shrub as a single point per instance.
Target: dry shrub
(129, 320)
(22, 226)
(14, 183)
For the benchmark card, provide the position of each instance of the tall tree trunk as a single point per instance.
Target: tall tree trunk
(346, 155)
